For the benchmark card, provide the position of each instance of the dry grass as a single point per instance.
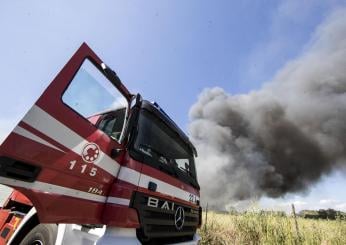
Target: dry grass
(256, 228)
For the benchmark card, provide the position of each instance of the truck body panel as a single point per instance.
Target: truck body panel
(66, 163)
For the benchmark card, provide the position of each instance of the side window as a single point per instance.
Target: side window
(90, 93)
(112, 123)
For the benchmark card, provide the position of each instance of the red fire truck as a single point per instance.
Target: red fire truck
(92, 163)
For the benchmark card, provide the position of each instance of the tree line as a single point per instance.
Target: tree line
(330, 214)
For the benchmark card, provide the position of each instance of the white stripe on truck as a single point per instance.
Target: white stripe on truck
(27, 134)
(48, 125)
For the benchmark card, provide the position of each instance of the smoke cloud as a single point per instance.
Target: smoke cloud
(282, 138)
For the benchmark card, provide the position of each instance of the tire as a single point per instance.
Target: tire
(42, 234)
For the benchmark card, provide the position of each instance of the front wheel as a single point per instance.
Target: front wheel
(42, 234)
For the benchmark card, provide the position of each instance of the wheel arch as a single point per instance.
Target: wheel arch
(27, 224)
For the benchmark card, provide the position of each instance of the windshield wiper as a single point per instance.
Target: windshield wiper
(146, 147)
(166, 162)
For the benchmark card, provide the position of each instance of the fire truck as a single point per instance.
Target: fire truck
(92, 163)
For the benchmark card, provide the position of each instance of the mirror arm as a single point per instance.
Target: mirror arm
(111, 75)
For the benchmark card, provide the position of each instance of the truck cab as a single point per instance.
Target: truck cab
(91, 154)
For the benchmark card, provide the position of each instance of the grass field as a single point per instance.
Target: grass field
(256, 228)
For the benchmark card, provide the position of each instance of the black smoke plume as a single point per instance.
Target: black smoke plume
(282, 138)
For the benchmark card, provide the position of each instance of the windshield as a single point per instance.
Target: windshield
(161, 146)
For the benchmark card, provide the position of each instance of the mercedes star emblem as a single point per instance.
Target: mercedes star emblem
(179, 218)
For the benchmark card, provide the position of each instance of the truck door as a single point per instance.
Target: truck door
(56, 155)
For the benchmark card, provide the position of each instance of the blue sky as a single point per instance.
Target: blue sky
(166, 50)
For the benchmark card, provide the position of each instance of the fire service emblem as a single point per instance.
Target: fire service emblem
(90, 152)
(179, 218)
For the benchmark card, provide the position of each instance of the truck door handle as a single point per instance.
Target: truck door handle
(116, 152)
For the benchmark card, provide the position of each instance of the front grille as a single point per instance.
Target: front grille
(158, 222)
